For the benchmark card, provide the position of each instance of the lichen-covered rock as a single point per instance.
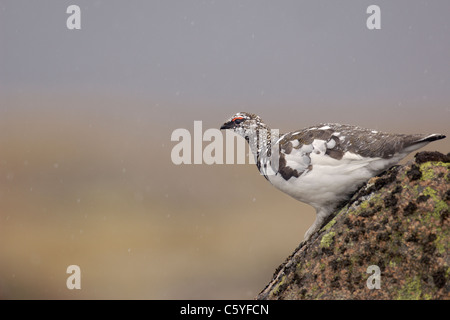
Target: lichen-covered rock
(398, 222)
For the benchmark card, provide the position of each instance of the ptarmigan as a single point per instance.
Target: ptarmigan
(324, 164)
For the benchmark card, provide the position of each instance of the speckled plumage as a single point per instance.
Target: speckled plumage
(324, 164)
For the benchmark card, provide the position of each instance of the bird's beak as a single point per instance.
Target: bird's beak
(227, 125)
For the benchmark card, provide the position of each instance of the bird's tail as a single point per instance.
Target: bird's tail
(431, 137)
(418, 141)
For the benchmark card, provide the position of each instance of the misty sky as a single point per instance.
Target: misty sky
(265, 55)
(86, 118)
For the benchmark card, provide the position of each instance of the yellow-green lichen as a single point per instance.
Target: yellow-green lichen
(355, 210)
(329, 224)
(276, 291)
(428, 168)
(397, 260)
(442, 241)
(412, 290)
(327, 240)
(364, 205)
(439, 205)
(427, 296)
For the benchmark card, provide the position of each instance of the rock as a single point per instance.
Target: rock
(398, 222)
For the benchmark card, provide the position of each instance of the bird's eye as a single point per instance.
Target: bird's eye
(238, 120)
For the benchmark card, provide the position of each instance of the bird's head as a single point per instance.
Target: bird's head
(243, 123)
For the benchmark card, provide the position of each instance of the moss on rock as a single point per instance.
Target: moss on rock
(398, 221)
(327, 240)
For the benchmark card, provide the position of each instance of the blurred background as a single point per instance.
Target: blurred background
(86, 118)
